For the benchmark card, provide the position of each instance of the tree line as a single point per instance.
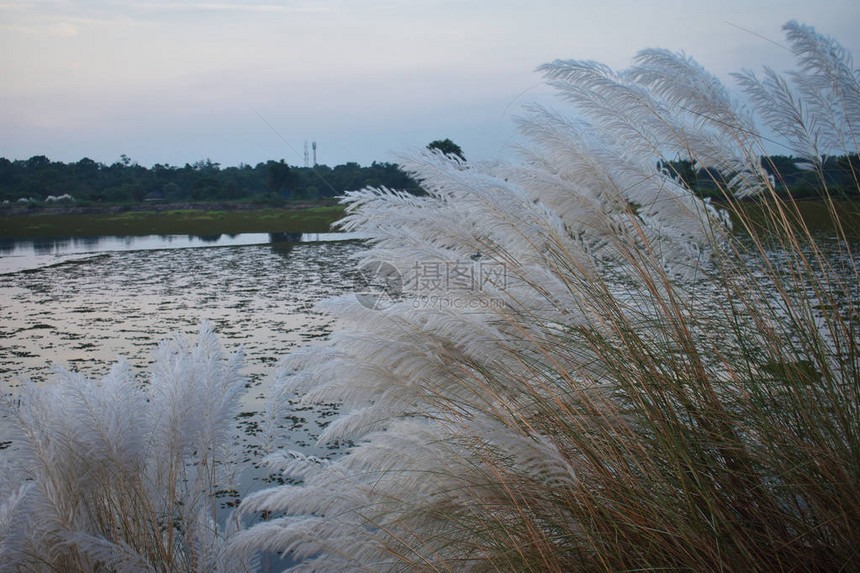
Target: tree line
(39, 179)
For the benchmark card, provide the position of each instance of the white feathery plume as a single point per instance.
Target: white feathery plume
(120, 475)
(819, 110)
(14, 527)
(782, 111)
(827, 79)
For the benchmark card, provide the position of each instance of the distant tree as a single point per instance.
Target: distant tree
(447, 147)
(206, 189)
(38, 162)
(206, 165)
(681, 170)
(136, 190)
(86, 165)
(172, 191)
(280, 177)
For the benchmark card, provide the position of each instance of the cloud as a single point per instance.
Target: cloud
(249, 7)
(50, 29)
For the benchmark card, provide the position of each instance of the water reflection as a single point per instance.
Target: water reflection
(285, 237)
(206, 238)
(284, 249)
(283, 243)
(50, 246)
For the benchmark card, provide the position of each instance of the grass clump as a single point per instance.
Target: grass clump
(639, 387)
(113, 475)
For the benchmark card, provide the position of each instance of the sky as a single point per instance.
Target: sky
(247, 81)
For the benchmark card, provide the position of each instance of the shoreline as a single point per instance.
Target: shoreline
(15, 210)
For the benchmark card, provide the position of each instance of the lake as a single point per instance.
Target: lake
(22, 254)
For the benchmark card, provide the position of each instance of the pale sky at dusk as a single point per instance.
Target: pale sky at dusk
(176, 82)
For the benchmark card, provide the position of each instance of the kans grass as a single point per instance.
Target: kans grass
(641, 388)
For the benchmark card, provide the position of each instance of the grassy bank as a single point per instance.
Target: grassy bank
(815, 215)
(171, 222)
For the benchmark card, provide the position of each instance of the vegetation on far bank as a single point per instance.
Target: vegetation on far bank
(38, 182)
(791, 177)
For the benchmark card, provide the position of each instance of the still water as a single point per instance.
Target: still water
(22, 254)
(80, 304)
